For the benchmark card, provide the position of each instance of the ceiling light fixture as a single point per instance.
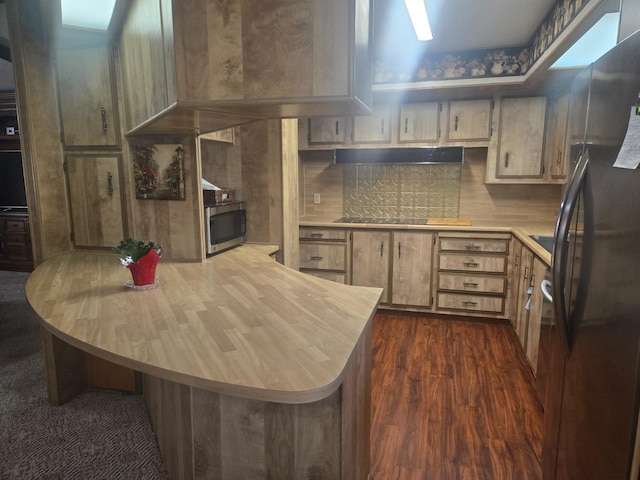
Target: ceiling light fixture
(89, 15)
(419, 18)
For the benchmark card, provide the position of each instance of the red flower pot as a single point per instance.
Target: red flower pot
(144, 271)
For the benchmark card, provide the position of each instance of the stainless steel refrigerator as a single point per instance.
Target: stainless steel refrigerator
(592, 397)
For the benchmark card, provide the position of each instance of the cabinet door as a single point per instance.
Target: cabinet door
(411, 271)
(524, 295)
(85, 86)
(521, 137)
(419, 122)
(556, 137)
(516, 261)
(535, 313)
(96, 201)
(469, 120)
(327, 131)
(370, 260)
(374, 128)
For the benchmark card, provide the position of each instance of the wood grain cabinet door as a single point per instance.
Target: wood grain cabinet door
(370, 257)
(535, 314)
(326, 131)
(95, 199)
(521, 138)
(556, 137)
(469, 120)
(419, 122)
(86, 92)
(374, 128)
(524, 279)
(411, 271)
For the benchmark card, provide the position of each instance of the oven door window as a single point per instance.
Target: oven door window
(226, 226)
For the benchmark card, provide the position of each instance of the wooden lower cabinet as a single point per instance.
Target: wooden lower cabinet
(324, 253)
(96, 199)
(370, 260)
(15, 242)
(472, 274)
(530, 303)
(411, 268)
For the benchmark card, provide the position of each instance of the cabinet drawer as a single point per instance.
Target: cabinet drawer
(475, 303)
(15, 226)
(473, 263)
(333, 276)
(477, 245)
(466, 283)
(323, 256)
(16, 239)
(322, 234)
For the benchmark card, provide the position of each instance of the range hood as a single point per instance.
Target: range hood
(398, 155)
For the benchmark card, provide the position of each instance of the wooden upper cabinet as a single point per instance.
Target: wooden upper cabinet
(373, 128)
(419, 122)
(517, 156)
(469, 120)
(86, 93)
(238, 60)
(326, 130)
(555, 144)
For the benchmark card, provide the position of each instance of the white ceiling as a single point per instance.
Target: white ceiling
(458, 25)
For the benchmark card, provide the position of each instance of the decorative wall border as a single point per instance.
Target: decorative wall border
(501, 62)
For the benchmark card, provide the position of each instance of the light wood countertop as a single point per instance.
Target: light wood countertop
(238, 323)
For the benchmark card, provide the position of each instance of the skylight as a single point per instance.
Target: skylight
(89, 15)
(597, 41)
(419, 19)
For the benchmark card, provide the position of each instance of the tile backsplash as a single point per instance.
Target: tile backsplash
(401, 191)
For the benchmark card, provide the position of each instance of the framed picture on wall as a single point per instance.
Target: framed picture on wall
(158, 171)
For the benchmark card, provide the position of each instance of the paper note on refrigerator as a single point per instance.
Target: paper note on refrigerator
(629, 156)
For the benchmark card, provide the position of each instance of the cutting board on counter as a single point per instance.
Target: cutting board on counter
(456, 222)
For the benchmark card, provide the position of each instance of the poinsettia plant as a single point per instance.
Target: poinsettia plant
(134, 250)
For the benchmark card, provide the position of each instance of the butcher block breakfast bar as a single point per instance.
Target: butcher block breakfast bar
(249, 369)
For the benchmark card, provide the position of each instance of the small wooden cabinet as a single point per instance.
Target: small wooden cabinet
(86, 93)
(419, 123)
(472, 273)
(469, 120)
(374, 128)
(325, 253)
(556, 137)
(516, 156)
(96, 199)
(411, 268)
(370, 260)
(15, 241)
(326, 130)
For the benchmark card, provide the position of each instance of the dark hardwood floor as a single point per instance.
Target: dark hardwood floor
(452, 399)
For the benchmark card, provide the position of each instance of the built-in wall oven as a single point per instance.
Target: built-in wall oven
(225, 226)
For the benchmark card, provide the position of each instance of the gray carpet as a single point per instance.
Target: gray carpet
(97, 435)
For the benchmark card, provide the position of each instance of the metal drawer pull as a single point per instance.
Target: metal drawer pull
(472, 247)
(317, 235)
(471, 264)
(470, 304)
(317, 258)
(470, 284)
(109, 183)
(381, 248)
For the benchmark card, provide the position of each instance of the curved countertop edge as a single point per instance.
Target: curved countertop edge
(291, 396)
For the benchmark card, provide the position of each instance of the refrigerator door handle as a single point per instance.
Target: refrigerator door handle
(560, 248)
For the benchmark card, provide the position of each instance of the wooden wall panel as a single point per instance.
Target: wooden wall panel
(176, 225)
(31, 52)
(321, 176)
